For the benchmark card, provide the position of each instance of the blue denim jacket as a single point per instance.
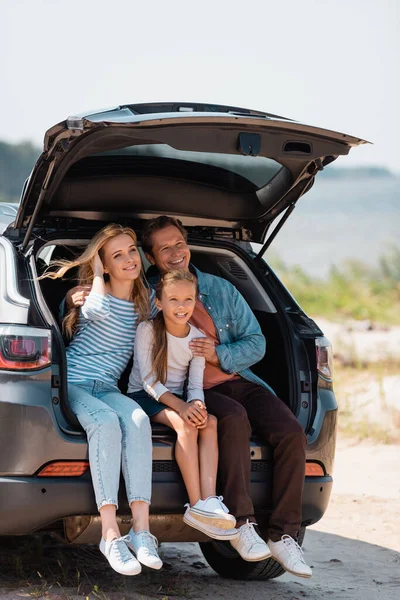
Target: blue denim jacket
(242, 343)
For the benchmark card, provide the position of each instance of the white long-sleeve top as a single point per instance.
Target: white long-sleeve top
(180, 359)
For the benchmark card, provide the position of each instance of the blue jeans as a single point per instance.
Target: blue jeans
(118, 431)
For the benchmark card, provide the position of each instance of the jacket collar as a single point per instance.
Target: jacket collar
(201, 278)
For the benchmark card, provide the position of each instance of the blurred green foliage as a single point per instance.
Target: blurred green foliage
(351, 291)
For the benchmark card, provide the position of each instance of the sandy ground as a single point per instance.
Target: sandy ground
(354, 551)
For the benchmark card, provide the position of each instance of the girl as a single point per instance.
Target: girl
(118, 431)
(162, 360)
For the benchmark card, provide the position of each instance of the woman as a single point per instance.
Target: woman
(102, 333)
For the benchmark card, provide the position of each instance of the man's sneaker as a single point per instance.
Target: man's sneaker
(145, 546)
(212, 511)
(290, 556)
(117, 553)
(208, 527)
(249, 545)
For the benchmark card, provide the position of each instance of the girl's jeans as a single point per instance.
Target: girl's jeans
(118, 430)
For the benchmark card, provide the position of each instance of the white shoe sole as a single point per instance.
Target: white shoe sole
(218, 521)
(290, 571)
(221, 535)
(138, 569)
(268, 555)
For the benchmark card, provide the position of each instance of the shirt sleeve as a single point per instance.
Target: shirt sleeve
(249, 347)
(96, 307)
(143, 345)
(195, 380)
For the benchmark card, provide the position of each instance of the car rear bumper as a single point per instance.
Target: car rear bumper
(28, 504)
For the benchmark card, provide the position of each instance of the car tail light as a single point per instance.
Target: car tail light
(24, 348)
(314, 469)
(64, 468)
(324, 357)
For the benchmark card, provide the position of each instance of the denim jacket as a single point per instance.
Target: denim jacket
(242, 343)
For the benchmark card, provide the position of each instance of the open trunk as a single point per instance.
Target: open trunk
(226, 260)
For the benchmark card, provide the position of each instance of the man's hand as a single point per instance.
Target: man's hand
(194, 414)
(76, 296)
(205, 347)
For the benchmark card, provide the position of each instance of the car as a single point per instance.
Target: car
(8, 210)
(233, 176)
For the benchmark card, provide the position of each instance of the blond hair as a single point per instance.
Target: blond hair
(140, 293)
(160, 344)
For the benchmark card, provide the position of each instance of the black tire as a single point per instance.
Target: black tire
(225, 561)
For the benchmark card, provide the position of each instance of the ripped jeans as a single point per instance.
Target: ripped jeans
(118, 432)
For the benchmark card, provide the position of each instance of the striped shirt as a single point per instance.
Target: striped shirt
(104, 338)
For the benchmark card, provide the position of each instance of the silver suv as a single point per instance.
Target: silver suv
(228, 173)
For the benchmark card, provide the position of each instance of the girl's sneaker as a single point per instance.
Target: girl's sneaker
(206, 522)
(145, 546)
(117, 553)
(212, 511)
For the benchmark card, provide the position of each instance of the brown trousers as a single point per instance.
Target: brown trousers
(241, 406)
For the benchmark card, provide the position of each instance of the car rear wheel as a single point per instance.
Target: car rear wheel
(224, 559)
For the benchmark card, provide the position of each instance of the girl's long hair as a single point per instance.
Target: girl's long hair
(140, 293)
(160, 344)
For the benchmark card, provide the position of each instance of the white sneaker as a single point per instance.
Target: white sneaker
(290, 556)
(145, 546)
(213, 511)
(207, 527)
(117, 553)
(249, 545)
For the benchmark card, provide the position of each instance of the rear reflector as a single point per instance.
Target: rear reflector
(24, 348)
(65, 469)
(314, 470)
(324, 357)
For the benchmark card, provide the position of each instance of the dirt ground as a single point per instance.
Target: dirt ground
(354, 551)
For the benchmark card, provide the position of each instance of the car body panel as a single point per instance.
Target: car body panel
(302, 151)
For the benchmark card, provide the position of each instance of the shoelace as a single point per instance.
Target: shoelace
(293, 548)
(223, 506)
(248, 533)
(120, 550)
(149, 543)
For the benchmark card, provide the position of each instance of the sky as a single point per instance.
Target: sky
(333, 64)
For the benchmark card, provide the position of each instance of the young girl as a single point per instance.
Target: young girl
(162, 361)
(118, 431)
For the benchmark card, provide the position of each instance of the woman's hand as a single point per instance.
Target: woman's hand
(97, 266)
(77, 295)
(194, 413)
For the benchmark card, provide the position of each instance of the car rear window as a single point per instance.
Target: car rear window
(258, 170)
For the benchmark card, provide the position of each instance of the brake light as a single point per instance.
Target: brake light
(62, 468)
(324, 357)
(314, 469)
(24, 348)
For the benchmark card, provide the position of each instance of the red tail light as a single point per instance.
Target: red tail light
(24, 348)
(67, 468)
(324, 357)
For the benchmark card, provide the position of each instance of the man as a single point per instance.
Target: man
(239, 399)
